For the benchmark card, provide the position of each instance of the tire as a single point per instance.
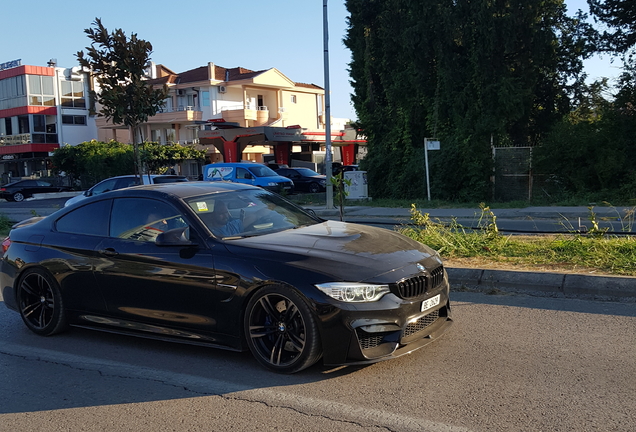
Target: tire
(281, 331)
(18, 196)
(40, 303)
(314, 188)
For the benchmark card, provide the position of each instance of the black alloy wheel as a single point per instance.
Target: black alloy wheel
(280, 330)
(18, 196)
(314, 188)
(40, 303)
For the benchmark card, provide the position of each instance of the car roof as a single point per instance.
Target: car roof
(181, 189)
(236, 164)
(143, 175)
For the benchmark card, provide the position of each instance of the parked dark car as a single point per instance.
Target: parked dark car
(227, 265)
(21, 189)
(125, 181)
(337, 168)
(305, 180)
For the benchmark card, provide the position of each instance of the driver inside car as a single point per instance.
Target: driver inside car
(224, 225)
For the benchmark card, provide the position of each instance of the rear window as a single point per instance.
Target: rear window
(169, 179)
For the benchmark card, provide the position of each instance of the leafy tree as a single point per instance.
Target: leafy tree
(118, 63)
(157, 157)
(93, 161)
(620, 16)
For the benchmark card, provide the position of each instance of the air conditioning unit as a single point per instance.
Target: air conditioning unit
(222, 89)
(180, 92)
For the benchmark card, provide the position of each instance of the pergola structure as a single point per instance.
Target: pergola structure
(231, 143)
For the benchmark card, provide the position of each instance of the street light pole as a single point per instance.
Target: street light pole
(328, 161)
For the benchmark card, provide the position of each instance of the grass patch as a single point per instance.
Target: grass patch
(596, 252)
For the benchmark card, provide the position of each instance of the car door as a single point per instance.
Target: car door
(28, 187)
(299, 182)
(243, 175)
(163, 289)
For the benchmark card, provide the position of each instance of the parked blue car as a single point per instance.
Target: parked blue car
(248, 173)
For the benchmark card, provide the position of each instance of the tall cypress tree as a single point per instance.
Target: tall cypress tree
(462, 71)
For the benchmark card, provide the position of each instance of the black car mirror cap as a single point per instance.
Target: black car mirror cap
(175, 237)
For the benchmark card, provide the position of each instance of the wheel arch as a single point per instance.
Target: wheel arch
(268, 283)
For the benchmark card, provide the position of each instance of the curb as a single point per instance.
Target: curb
(563, 284)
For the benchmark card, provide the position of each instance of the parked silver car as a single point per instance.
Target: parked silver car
(125, 181)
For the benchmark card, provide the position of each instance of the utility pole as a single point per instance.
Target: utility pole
(328, 161)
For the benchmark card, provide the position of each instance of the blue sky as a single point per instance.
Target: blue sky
(254, 34)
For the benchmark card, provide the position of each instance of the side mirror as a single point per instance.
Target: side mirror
(88, 193)
(312, 212)
(249, 176)
(175, 237)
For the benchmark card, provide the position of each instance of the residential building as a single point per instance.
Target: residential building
(40, 108)
(203, 98)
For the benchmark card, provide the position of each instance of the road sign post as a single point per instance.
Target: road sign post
(429, 144)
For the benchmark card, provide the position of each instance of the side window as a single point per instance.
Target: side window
(104, 186)
(127, 182)
(143, 219)
(91, 219)
(28, 183)
(242, 173)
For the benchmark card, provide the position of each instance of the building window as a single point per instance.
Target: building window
(73, 94)
(23, 124)
(205, 98)
(12, 92)
(7, 126)
(41, 90)
(293, 98)
(74, 120)
(44, 129)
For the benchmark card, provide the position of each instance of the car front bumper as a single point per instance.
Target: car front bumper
(354, 336)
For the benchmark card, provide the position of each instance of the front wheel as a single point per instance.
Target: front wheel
(281, 332)
(18, 196)
(40, 303)
(314, 188)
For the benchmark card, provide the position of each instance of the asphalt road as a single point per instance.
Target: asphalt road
(509, 363)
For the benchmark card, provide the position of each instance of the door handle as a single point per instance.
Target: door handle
(109, 252)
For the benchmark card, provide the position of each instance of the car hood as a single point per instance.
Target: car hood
(275, 179)
(341, 251)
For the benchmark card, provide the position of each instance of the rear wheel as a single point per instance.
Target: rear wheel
(40, 303)
(281, 332)
(18, 196)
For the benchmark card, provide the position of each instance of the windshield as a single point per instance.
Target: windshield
(307, 172)
(248, 213)
(262, 171)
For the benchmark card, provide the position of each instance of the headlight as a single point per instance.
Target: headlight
(323, 182)
(352, 292)
(272, 184)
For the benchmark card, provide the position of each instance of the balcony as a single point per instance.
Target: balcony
(257, 115)
(182, 114)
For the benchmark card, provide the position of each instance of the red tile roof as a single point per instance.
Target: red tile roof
(220, 74)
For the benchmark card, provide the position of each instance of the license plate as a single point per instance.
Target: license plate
(432, 302)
